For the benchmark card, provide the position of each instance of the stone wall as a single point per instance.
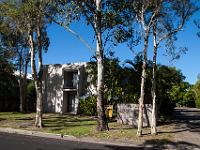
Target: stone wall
(128, 114)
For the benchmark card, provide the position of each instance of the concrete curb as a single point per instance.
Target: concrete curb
(66, 137)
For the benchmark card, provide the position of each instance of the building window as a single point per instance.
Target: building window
(70, 80)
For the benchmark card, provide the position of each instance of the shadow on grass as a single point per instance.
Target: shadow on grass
(120, 128)
(70, 118)
(64, 125)
(26, 118)
(151, 145)
(1, 119)
(68, 122)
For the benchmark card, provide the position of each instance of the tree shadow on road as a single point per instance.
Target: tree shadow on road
(187, 119)
(167, 144)
(151, 144)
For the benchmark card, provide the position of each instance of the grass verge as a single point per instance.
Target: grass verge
(81, 126)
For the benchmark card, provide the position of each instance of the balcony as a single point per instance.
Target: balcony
(70, 81)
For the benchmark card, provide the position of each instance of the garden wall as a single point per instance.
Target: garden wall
(128, 114)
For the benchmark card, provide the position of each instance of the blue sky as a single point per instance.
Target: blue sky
(65, 48)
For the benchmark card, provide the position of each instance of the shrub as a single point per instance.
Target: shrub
(9, 92)
(88, 106)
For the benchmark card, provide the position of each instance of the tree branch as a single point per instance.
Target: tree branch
(155, 12)
(172, 32)
(88, 18)
(74, 33)
(184, 16)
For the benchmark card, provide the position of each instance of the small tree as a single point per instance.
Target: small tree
(167, 23)
(36, 24)
(16, 43)
(146, 11)
(29, 19)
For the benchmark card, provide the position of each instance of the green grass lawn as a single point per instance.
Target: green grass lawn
(80, 126)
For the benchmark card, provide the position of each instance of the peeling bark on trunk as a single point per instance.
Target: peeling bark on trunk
(101, 120)
(153, 115)
(143, 81)
(38, 119)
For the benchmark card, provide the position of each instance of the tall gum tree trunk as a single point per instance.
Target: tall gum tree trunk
(101, 121)
(143, 81)
(39, 107)
(22, 94)
(153, 114)
(25, 83)
(23, 86)
(21, 83)
(38, 119)
(21, 107)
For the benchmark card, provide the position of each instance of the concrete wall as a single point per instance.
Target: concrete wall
(128, 114)
(53, 86)
(53, 82)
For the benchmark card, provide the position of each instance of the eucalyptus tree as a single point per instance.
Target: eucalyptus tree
(16, 43)
(21, 59)
(102, 16)
(28, 17)
(167, 23)
(34, 12)
(145, 11)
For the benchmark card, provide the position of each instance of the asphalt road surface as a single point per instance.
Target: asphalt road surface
(187, 122)
(22, 142)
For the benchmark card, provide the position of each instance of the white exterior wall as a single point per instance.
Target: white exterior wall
(53, 78)
(53, 84)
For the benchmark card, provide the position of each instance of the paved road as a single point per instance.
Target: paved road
(22, 142)
(187, 122)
